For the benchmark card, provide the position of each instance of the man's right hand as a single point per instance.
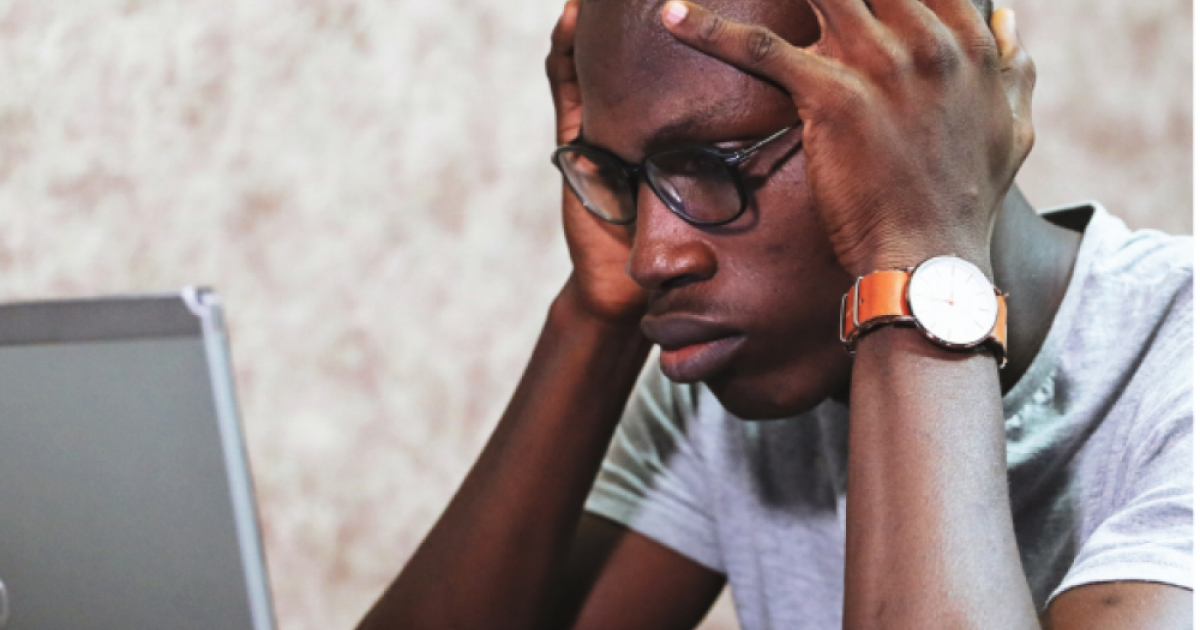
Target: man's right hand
(599, 285)
(515, 549)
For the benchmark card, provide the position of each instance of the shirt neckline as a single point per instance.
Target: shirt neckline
(1093, 214)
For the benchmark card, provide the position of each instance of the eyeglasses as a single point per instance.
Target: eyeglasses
(700, 184)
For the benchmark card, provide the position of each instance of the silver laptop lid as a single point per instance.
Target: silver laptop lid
(125, 497)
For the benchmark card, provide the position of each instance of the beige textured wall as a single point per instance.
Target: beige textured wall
(366, 183)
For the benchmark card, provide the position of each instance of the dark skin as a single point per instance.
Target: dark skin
(916, 120)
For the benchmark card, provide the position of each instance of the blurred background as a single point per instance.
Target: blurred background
(367, 185)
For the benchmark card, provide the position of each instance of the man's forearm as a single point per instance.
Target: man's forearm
(930, 540)
(491, 559)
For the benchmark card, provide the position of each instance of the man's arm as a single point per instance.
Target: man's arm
(511, 550)
(1120, 606)
(930, 542)
(621, 579)
(514, 549)
(916, 119)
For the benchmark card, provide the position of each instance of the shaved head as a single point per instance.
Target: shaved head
(622, 50)
(626, 58)
(632, 31)
(629, 34)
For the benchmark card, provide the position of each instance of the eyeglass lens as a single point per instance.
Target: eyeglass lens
(696, 184)
(693, 183)
(603, 187)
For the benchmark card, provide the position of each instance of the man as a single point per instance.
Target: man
(755, 187)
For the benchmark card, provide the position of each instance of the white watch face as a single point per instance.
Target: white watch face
(953, 301)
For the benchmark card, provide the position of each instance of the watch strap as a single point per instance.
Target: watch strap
(875, 299)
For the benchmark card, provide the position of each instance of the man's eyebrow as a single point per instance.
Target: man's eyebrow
(689, 123)
(681, 127)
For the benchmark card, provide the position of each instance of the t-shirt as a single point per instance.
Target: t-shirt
(1099, 451)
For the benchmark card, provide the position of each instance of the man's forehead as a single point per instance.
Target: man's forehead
(665, 126)
(669, 113)
(636, 75)
(632, 30)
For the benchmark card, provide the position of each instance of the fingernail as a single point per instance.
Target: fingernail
(675, 12)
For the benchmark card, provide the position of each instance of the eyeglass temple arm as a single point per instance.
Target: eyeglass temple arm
(740, 156)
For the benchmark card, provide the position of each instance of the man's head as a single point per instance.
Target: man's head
(769, 279)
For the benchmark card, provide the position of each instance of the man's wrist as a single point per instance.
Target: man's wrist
(904, 342)
(907, 255)
(567, 312)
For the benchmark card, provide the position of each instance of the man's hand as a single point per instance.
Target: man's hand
(916, 119)
(599, 250)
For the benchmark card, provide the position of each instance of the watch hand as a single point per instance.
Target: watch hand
(926, 296)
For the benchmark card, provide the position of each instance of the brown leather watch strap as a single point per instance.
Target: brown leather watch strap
(1000, 332)
(876, 298)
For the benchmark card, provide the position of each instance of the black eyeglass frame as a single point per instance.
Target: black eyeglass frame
(731, 159)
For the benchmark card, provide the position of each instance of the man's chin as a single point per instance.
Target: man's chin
(761, 399)
(776, 390)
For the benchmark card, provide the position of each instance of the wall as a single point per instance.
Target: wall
(366, 184)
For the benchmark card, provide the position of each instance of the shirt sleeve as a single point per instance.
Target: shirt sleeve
(653, 479)
(1148, 535)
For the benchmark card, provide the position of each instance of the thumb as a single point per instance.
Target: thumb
(1017, 75)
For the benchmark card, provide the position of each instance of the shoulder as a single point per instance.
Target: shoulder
(1123, 356)
(1128, 362)
(1135, 301)
(660, 428)
(1137, 317)
(654, 479)
(1142, 257)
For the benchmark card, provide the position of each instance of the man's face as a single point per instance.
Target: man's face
(769, 278)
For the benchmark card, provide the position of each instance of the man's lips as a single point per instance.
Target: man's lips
(693, 349)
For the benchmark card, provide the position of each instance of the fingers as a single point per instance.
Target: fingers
(910, 21)
(843, 15)
(752, 49)
(900, 14)
(560, 69)
(560, 64)
(1018, 76)
(963, 17)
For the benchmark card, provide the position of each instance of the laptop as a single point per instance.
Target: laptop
(125, 497)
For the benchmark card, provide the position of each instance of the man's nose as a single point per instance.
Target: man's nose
(667, 251)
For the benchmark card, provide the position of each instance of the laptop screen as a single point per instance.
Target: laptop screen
(125, 498)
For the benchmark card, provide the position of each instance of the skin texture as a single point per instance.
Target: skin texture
(770, 275)
(916, 118)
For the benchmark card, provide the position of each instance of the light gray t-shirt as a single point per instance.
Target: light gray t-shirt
(1099, 452)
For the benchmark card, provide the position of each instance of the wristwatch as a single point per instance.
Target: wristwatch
(946, 298)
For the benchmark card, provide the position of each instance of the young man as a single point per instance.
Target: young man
(756, 200)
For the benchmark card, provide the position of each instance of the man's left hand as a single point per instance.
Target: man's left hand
(916, 118)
